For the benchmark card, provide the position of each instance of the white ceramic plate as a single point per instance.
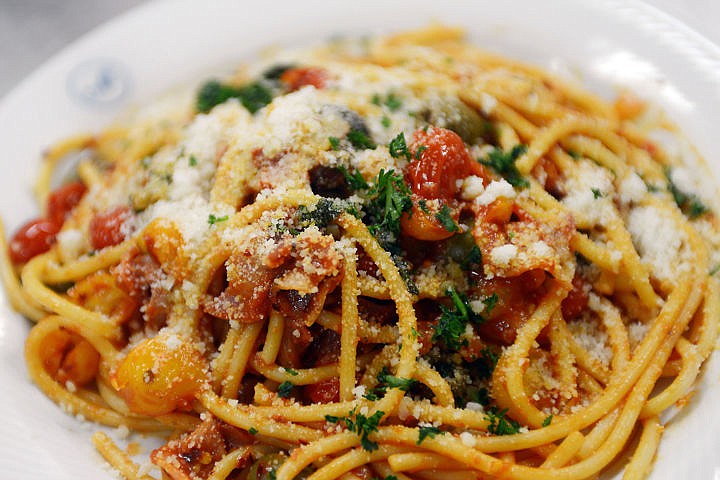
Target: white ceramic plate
(150, 49)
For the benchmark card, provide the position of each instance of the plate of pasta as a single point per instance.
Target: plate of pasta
(380, 241)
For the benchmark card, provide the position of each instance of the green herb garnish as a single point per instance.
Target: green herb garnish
(499, 423)
(689, 203)
(252, 96)
(426, 432)
(504, 164)
(213, 219)
(446, 220)
(398, 147)
(389, 381)
(360, 140)
(285, 389)
(451, 325)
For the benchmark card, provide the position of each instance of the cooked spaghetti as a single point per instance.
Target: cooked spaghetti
(395, 258)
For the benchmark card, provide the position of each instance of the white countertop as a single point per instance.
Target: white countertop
(31, 31)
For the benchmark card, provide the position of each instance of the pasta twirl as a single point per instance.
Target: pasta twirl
(396, 258)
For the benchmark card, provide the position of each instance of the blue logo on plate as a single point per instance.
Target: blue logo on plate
(99, 82)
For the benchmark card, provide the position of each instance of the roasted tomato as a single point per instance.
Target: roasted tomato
(63, 200)
(109, 228)
(440, 161)
(296, 78)
(32, 239)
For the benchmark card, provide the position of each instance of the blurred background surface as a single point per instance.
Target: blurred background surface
(31, 31)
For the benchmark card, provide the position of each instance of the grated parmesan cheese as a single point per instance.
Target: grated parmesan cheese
(496, 189)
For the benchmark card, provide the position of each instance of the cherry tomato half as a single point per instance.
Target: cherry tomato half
(107, 228)
(441, 160)
(32, 239)
(295, 78)
(63, 200)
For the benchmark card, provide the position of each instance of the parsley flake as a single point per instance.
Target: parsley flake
(419, 151)
(213, 219)
(490, 303)
(398, 147)
(504, 164)
(597, 193)
(547, 421)
(252, 96)
(385, 122)
(445, 218)
(192, 161)
(451, 325)
(499, 423)
(285, 389)
(364, 426)
(390, 381)
(360, 140)
(689, 203)
(253, 431)
(426, 432)
(334, 142)
(389, 198)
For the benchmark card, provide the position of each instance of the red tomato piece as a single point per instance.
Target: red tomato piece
(295, 78)
(442, 160)
(324, 391)
(32, 239)
(63, 200)
(108, 228)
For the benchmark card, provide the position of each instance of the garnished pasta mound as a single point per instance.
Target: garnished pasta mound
(393, 258)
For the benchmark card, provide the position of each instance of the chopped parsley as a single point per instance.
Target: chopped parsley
(490, 302)
(422, 203)
(389, 381)
(391, 101)
(358, 423)
(714, 270)
(597, 193)
(384, 204)
(292, 372)
(213, 219)
(499, 423)
(253, 431)
(372, 396)
(689, 203)
(398, 147)
(446, 220)
(355, 180)
(360, 140)
(474, 258)
(385, 122)
(452, 322)
(504, 164)
(285, 389)
(419, 151)
(325, 211)
(426, 432)
(252, 96)
(334, 142)
(192, 161)
(389, 198)
(547, 421)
